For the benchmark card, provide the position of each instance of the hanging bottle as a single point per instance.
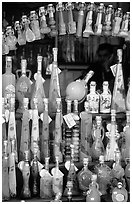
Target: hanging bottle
(98, 24)
(54, 89)
(46, 191)
(69, 186)
(5, 47)
(44, 29)
(113, 135)
(23, 85)
(125, 25)
(38, 89)
(119, 193)
(30, 36)
(127, 173)
(71, 22)
(93, 194)
(25, 134)
(4, 22)
(21, 37)
(51, 22)
(93, 98)
(11, 40)
(98, 135)
(84, 177)
(118, 99)
(62, 25)
(8, 82)
(34, 24)
(81, 8)
(105, 99)
(5, 173)
(107, 28)
(103, 175)
(58, 132)
(117, 22)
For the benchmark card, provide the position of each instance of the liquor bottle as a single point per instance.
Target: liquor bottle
(44, 29)
(21, 37)
(23, 84)
(105, 99)
(62, 25)
(71, 23)
(54, 88)
(34, 24)
(12, 170)
(103, 175)
(84, 177)
(30, 36)
(46, 181)
(5, 48)
(98, 135)
(25, 135)
(127, 173)
(113, 135)
(119, 193)
(58, 132)
(93, 98)
(52, 23)
(38, 89)
(76, 132)
(118, 99)
(5, 173)
(26, 192)
(107, 28)
(99, 19)
(8, 82)
(81, 7)
(93, 194)
(57, 182)
(11, 39)
(117, 22)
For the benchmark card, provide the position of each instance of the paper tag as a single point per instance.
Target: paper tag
(113, 69)
(67, 166)
(49, 69)
(21, 165)
(35, 76)
(69, 120)
(41, 117)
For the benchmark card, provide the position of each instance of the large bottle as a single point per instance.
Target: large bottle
(38, 89)
(23, 85)
(54, 89)
(8, 81)
(118, 99)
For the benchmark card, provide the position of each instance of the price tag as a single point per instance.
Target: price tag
(69, 120)
(41, 117)
(67, 166)
(113, 69)
(35, 76)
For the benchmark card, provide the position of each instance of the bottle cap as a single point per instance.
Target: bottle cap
(94, 177)
(39, 58)
(119, 185)
(113, 112)
(8, 58)
(92, 83)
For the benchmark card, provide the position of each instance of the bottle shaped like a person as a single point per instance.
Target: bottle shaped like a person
(8, 82)
(118, 98)
(26, 192)
(125, 149)
(5, 172)
(98, 135)
(93, 98)
(93, 194)
(23, 85)
(11, 38)
(38, 89)
(103, 175)
(30, 36)
(34, 24)
(113, 135)
(84, 177)
(54, 89)
(119, 193)
(105, 99)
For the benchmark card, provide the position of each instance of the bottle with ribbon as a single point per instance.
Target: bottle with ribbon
(62, 26)
(34, 24)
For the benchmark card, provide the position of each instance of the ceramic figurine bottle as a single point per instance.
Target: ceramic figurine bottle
(44, 29)
(103, 175)
(8, 82)
(21, 38)
(118, 99)
(62, 25)
(38, 89)
(98, 135)
(119, 193)
(23, 84)
(34, 24)
(93, 98)
(84, 177)
(5, 173)
(30, 36)
(93, 194)
(105, 99)
(11, 38)
(46, 181)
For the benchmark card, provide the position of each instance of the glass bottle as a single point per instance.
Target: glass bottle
(62, 25)
(117, 171)
(21, 37)
(127, 173)
(11, 38)
(93, 194)
(99, 19)
(98, 135)
(107, 28)
(93, 98)
(105, 99)
(4, 22)
(69, 191)
(23, 84)
(38, 89)
(71, 22)
(113, 135)
(103, 175)
(119, 193)
(5, 48)
(84, 177)
(30, 36)
(118, 99)
(46, 181)
(8, 82)
(26, 192)
(44, 29)
(125, 25)
(34, 24)
(54, 88)
(5, 173)
(51, 22)
(117, 22)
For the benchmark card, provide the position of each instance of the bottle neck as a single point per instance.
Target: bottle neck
(68, 107)
(47, 163)
(39, 67)
(76, 106)
(92, 89)
(9, 67)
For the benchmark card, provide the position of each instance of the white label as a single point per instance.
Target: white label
(41, 117)
(69, 120)
(120, 197)
(67, 166)
(35, 77)
(113, 69)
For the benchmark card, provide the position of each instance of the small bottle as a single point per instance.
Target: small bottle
(34, 24)
(117, 21)
(93, 98)
(117, 171)
(105, 99)
(119, 193)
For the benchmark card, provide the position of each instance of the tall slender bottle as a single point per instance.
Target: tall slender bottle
(118, 99)
(62, 25)
(8, 81)
(54, 89)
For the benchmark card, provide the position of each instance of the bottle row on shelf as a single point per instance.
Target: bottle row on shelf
(108, 22)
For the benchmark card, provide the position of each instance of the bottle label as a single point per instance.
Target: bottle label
(120, 197)
(69, 120)
(105, 103)
(10, 91)
(93, 101)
